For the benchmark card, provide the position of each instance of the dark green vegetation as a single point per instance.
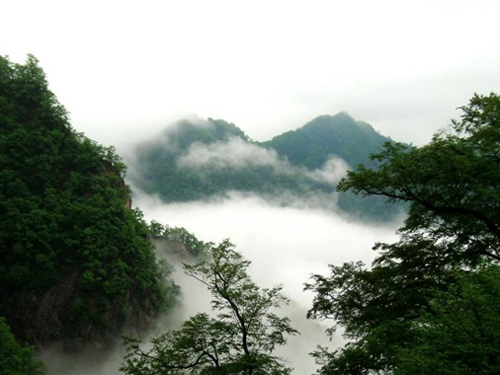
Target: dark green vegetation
(76, 264)
(215, 170)
(193, 160)
(431, 302)
(179, 236)
(313, 144)
(239, 340)
(15, 359)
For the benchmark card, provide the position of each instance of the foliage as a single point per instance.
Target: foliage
(451, 183)
(181, 236)
(460, 334)
(14, 359)
(239, 340)
(69, 241)
(431, 297)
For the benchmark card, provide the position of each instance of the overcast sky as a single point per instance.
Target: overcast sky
(125, 68)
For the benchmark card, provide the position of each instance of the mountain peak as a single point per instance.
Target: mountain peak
(327, 135)
(342, 115)
(338, 120)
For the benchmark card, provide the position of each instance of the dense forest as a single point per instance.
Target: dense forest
(199, 159)
(77, 263)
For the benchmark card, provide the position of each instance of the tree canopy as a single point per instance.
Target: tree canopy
(429, 298)
(75, 260)
(180, 236)
(240, 339)
(451, 183)
(14, 358)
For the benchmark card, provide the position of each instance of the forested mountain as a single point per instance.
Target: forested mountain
(324, 136)
(76, 263)
(197, 159)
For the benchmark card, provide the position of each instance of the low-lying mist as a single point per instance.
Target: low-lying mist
(285, 244)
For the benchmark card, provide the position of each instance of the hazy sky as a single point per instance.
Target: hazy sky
(124, 68)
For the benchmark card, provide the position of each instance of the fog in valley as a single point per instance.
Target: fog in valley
(285, 245)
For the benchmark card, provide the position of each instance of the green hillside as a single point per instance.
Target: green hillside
(198, 159)
(76, 264)
(339, 135)
(158, 168)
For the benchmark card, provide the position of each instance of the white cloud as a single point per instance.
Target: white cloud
(234, 153)
(331, 171)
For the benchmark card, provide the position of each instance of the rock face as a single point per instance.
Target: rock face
(41, 319)
(76, 264)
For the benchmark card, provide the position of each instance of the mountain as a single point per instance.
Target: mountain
(324, 136)
(76, 264)
(198, 159)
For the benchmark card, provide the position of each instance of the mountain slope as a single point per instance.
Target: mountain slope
(192, 160)
(340, 136)
(199, 159)
(324, 136)
(76, 265)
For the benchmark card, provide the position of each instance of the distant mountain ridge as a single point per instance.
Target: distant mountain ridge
(197, 159)
(340, 134)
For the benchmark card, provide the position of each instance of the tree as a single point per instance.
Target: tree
(452, 183)
(460, 334)
(182, 236)
(450, 239)
(239, 340)
(14, 359)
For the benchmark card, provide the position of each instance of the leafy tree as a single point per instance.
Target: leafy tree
(239, 340)
(460, 333)
(179, 235)
(451, 183)
(14, 359)
(417, 295)
(156, 229)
